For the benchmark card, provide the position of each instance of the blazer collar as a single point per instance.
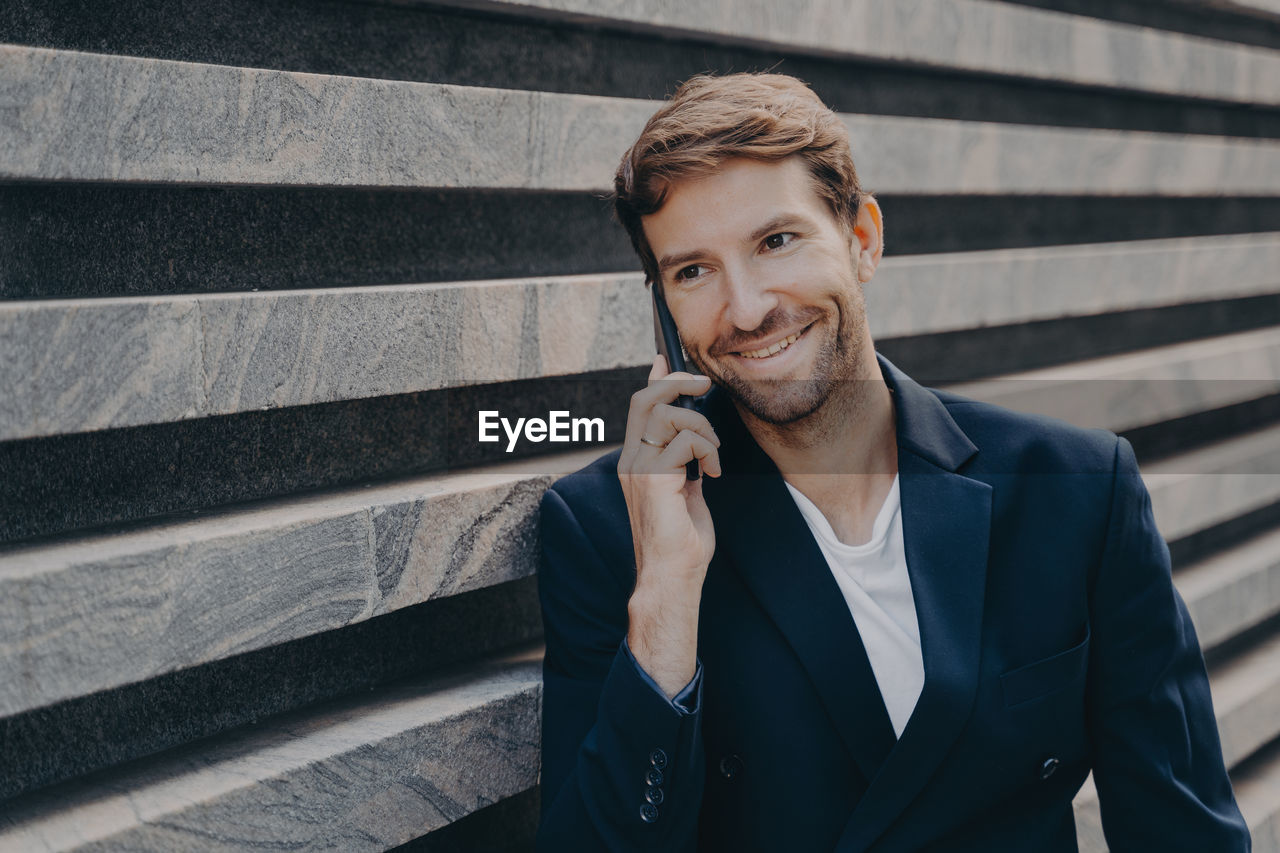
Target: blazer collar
(946, 522)
(924, 425)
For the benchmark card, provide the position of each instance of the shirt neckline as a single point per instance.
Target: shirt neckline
(823, 529)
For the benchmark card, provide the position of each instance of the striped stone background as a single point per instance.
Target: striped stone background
(262, 263)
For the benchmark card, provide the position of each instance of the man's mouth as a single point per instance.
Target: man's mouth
(775, 348)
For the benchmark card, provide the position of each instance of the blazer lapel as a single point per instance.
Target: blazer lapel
(946, 521)
(774, 552)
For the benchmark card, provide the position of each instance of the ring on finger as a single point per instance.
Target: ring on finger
(652, 443)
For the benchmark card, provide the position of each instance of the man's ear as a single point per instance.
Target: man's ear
(868, 237)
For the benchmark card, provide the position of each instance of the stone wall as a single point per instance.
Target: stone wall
(263, 263)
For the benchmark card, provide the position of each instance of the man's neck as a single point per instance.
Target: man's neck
(843, 457)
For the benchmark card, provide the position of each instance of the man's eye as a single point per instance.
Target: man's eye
(690, 272)
(777, 241)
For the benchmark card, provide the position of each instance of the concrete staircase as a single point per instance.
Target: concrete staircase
(261, 587)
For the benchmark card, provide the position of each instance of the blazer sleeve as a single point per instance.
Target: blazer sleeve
(1158, 762)
(622, 766)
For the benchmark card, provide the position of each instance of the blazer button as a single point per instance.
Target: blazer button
(1049, 767)
(653, 777)
(655, 796)
(730, 766)
(658, 759)
(648, 813)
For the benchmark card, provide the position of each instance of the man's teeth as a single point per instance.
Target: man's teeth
(768, 351)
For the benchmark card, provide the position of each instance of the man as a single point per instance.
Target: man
(887, 618)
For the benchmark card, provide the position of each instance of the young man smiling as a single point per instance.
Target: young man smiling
(889, 618)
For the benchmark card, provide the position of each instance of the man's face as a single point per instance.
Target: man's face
(762, 281)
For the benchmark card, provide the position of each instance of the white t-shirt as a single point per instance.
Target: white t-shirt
(877, 588)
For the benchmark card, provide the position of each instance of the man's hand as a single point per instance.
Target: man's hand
(670, 524)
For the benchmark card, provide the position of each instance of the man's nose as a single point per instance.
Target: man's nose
(748, 300)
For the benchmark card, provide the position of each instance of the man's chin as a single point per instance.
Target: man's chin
(778, 401)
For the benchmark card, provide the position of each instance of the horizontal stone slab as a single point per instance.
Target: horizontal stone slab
(924, 294)
(364, 774)
(87, 116)
(77, 366)
(1233, 590)
(1122, 392)
(1196, 490)
(83, 365)
(919, 155)
(102, 362)
(969, 35)
(104, 611)
(94, 117)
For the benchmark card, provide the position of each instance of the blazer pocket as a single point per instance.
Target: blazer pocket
(1045, 676)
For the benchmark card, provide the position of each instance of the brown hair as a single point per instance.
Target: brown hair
(711, 119)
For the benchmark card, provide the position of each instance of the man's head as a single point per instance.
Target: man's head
(709, 120)
(742, 200)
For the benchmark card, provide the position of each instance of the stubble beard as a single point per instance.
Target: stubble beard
(783, 402)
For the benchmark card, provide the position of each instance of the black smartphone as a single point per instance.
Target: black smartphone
(667, 340)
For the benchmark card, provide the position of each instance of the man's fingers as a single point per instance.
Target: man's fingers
(666, 421)
(659, 368)
(689, 445)
(659, 391)
(646, 438)
(667, 387)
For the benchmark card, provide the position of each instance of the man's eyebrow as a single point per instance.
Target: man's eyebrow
(777, 223)
(666, 262)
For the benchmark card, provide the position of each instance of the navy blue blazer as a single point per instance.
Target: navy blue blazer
(1053, 643)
